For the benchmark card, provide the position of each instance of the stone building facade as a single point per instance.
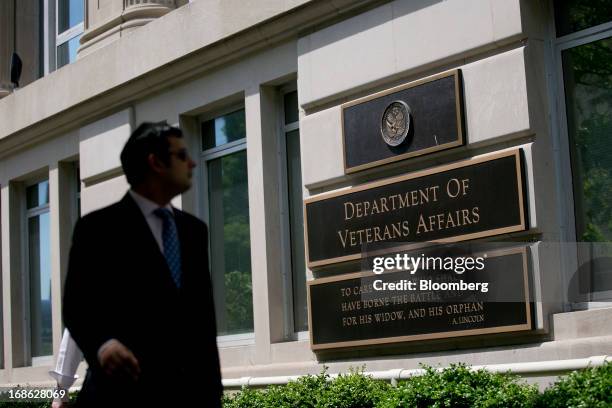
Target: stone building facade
(260, 89)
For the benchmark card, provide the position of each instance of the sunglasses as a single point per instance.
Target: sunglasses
(182, 155)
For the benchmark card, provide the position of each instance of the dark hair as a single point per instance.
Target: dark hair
(146, 139)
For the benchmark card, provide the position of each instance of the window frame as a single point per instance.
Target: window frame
(205, 156)
(27, 279)
(67, 35)
(216, 152)
(559, 45)
(291, 333)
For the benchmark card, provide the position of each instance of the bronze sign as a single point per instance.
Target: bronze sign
(357, 310)
(474, 198)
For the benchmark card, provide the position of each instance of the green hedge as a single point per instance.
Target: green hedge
(460, 387)
(590, 388)
(345, 391)
(456, 387)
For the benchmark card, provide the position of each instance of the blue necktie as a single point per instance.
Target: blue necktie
(172, 247)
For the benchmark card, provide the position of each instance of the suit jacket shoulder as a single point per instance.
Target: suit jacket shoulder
(101, 219)
(190, 218)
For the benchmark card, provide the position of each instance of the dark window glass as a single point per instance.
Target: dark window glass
(37, 195)
(296, 218)
(576, 15)
(39, 259)
(291, 107)
(69, 14)
(587, 71)
(67, 52)
(223, 129)
(78, 189)
(230, 243)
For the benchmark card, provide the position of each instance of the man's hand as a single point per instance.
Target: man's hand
(58, 404)
(118, 361)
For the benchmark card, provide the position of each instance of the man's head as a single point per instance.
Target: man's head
(156, 155)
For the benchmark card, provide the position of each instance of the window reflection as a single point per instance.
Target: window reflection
(230, 243)
(588, 88)
(67, 52)
(587, 71)
(39, 265)
(37, 195)
(223, 129)
(69, 14)
(296, 226)
(70, 24)
(576, 15)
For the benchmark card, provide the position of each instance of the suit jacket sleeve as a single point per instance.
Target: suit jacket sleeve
(87, 300)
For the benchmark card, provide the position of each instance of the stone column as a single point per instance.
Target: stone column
(108, 20)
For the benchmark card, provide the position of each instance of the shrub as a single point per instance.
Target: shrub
(458, 386)
(353, 390)
(245, 398)
(305, 392)
(590, 388)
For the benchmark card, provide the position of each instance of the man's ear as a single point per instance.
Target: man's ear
(155, 164)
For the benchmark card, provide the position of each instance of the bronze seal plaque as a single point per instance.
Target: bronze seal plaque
(409, 120)
(395, 123)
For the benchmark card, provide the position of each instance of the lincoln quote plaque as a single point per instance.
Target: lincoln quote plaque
(474, 198)
(358, 309)
(406, 121)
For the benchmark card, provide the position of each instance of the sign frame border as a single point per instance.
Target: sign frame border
(459, 141)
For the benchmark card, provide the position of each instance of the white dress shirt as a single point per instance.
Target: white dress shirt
(68, 359)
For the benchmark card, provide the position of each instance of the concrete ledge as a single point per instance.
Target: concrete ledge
(528, 369)
(529, 355)
(586, 323)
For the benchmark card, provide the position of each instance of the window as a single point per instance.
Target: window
(290, 144)
(225, 164)
(584, 47)
(77, 181)
(69, 29)
(39, 269)
(576, 15)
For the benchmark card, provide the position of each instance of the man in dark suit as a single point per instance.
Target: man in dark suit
(138, 297)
